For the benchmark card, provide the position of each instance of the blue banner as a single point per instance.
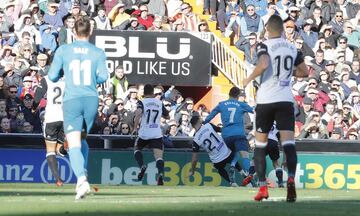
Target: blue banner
(19, 165)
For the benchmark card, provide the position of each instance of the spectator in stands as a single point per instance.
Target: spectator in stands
(338, 122)
(352, 35)
(54, 15)
(314, 119)
(312, 131)
(24, 41)
(27, 128)
(283, 5)
(124, 129)
(157, 7)
(324, 84)
(48, 40)
(349, 114)
(352, 134)
(7, 56)
(114, 123)
(259, 5)
(24, 24)
(307, 35)
(131, 100)
(66, 33)
(336, 134)
(355, 71)
(319, 61)
(131, 24)
(318, 20)
(36, 14)
(119, 84)
(5, 125)
(7, 37)
(345, 79)
(184, 124)
(248, 46)
(159, 92)
(290, 31)
(304, 48)
(12, 98)
(304, 110)
(337, 22)
(42, 64)
(12, 113)
(251, 22)
(272, 9)
(329, 36)
(343, 47)
(231, 18)
(325, 9)
(2, 88)
(330, 69)
(188, 18)
(329, 114)
(11, 78)
(117, 14)
(102, 21)
(29, 114)
(157, 25)
(3, 112)
(143, 16)
(203, 26)
(349, 9)
(294, 15)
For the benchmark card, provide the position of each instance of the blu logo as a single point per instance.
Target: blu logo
(65, 171)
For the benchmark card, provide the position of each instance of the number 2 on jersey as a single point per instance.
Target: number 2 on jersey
(77, 67)
(57, 91)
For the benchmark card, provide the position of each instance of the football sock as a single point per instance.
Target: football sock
(77, 161)
(291, 157)
(252, 170)
(238, 167)
(53, 165)
(246, 164)
(139, 158)
(235, 159)
(279, 175)
(160, 166)
(259, 160)
(224, 174)
(85, 151)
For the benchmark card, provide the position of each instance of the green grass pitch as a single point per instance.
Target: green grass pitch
(43, 199)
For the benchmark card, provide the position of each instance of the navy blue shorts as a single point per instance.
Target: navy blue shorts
(237, 143)
(80, 114)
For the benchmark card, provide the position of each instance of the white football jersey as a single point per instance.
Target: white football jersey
(212, 143)
(54, 96)
(150, 120)
(275, 82)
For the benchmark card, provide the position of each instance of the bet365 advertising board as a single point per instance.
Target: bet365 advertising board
(327, 171)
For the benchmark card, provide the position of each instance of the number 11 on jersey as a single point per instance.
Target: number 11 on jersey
(77, 67)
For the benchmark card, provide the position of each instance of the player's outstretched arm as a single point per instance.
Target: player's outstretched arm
(263, 63)
(102, 71)
(56, 66)
(212, 114)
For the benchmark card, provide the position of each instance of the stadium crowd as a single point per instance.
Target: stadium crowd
(326, 32)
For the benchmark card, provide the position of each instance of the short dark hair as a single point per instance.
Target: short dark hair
(148, 89)
(83, 27)
(320, 51)
(194, 120)
(234, 92)
(275, 23)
